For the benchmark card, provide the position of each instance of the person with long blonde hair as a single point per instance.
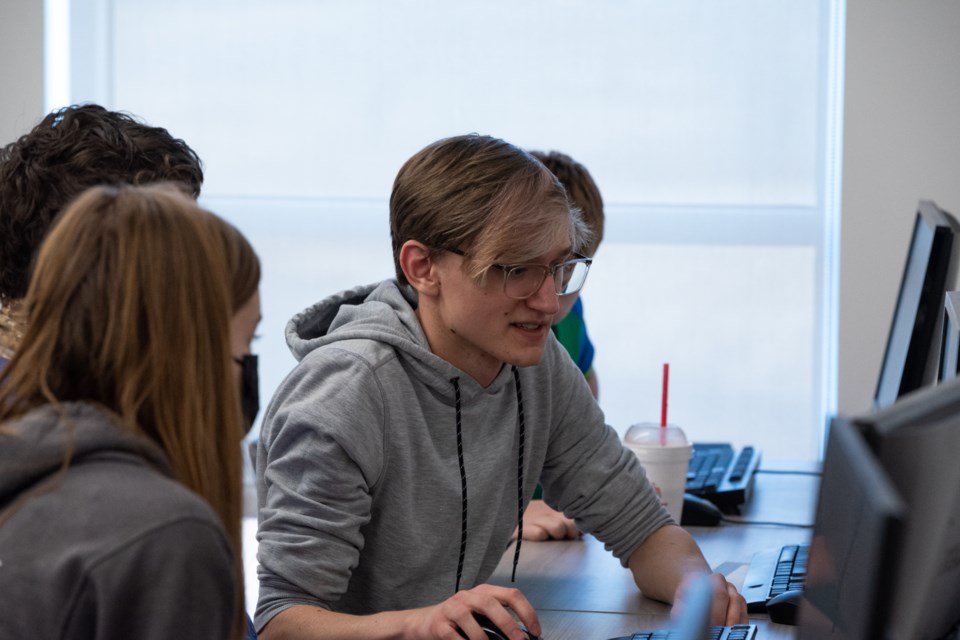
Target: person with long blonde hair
(120, 426)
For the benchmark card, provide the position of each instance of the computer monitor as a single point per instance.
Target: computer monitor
(859, 518)
(950, 342)
(917, 442)
(910, 358)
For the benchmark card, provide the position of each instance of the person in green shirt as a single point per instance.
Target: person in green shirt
(541, 522)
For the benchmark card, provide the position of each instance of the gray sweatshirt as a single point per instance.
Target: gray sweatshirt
(359, 477)
(112, 548)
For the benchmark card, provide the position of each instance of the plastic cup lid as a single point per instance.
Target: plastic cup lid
(648, 434)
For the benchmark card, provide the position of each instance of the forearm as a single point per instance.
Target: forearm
(660, 564)
(304, 622)
(442, 621)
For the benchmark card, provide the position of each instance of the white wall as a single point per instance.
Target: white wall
(901, 144)
(21, 67)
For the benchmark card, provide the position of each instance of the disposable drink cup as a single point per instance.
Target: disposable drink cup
(665, 454)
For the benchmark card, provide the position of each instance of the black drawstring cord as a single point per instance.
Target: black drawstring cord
(463, 479)
(463, 485)
(516, 553)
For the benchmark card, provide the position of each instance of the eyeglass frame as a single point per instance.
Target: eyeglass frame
(553, 271)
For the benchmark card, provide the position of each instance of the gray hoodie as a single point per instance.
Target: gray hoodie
(113, 547)
(363, 486)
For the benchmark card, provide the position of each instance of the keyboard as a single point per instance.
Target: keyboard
(773, 571)
(734, 632)
(721, 475)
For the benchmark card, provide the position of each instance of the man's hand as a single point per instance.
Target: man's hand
(540, 522)
(729, 607)
(668, 560)
(443, 620)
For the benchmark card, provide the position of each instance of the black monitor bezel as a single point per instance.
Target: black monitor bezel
(860, 516)
(910, 355)
(926, 420)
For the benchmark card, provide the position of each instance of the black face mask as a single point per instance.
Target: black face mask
(249, 389)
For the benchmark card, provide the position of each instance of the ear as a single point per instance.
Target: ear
(419, 267)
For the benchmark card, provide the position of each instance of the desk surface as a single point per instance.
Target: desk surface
(581, 591)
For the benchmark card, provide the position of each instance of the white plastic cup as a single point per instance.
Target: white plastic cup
(665, 454)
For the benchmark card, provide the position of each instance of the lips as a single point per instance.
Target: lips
(529, 326)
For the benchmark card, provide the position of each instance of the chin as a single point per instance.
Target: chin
(526, 359)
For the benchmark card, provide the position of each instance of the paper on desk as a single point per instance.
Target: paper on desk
(734, 572)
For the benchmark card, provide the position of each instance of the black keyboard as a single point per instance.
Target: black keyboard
(721, 475)
(735, 632)
(773, 571)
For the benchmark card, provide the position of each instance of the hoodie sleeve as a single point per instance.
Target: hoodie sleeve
(588, 473)
(329, 409)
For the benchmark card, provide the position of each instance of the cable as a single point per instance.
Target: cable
(798, 525)
(789, 472)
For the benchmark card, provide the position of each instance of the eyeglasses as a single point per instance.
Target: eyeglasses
(520, 281)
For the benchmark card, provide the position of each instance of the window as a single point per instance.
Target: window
(711, 128)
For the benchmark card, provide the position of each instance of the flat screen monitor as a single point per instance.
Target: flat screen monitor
(859, 518)
(950, 342)
(917, 441)
(910, 359)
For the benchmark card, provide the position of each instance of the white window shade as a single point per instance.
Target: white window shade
(710, 127)
(667, 102)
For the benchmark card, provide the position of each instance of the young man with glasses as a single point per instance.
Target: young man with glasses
(396, 459)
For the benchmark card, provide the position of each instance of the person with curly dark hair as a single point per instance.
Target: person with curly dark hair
(71, 149)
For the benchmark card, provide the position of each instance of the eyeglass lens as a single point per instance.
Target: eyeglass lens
(522, 281)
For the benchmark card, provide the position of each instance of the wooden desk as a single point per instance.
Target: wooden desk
(581, 591)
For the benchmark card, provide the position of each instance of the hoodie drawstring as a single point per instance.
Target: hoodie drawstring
(520, 434)
(463, 485)
(463, 478)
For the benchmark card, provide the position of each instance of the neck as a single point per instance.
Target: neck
(482, 369)
(13, 322)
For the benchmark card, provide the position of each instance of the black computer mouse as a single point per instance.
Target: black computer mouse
(493, 632)
(783, 608)
(699, 512)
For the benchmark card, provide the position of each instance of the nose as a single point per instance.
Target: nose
(545, 299)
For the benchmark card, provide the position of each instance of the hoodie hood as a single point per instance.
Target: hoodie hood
(33, 448)
(384, 312)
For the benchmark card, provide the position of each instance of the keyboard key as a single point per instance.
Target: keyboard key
(734, 632)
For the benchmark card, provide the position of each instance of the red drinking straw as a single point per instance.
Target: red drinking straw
(663, 406)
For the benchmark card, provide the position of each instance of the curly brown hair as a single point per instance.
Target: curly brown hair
(70, 150)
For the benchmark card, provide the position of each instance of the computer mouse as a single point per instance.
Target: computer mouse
(783, 608)
(699, 512)
(493, 632)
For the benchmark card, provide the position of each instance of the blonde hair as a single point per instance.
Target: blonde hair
(129, 308)
(582, 191)
(484, 197)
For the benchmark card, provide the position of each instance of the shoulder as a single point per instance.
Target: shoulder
(334, 398)
(125, 533)
(348, 371)
(176, 579)
(167, 541)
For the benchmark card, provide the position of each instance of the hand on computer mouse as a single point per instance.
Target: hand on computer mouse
(783, 608)
(504, 607)
(493, 632)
